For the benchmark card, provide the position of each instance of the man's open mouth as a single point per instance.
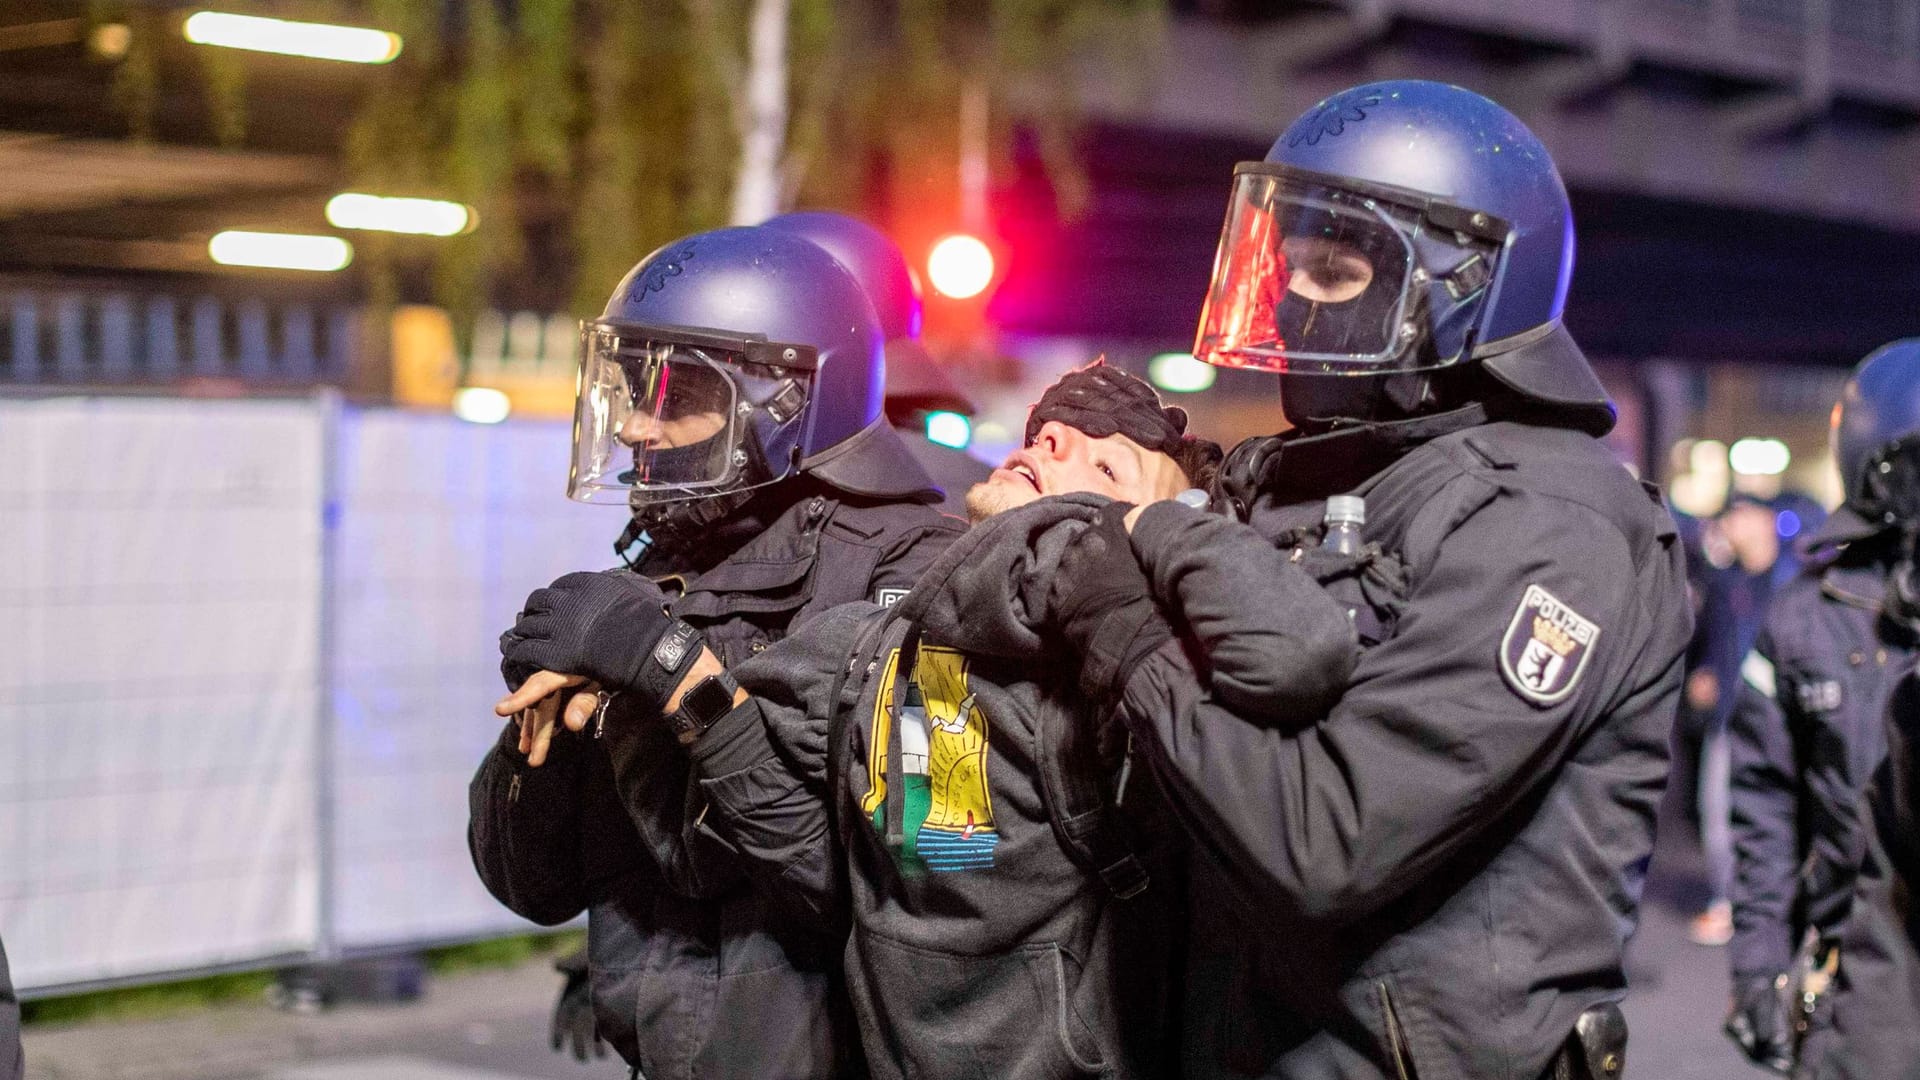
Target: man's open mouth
(1019, 466)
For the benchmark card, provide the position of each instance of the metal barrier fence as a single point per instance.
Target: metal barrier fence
(248, 668)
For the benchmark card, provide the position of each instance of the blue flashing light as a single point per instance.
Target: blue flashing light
(949, 429)
(1787, 524)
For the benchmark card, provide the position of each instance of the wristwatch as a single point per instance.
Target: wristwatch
(710, 699)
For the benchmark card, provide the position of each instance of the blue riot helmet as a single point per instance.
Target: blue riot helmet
(725, 362)
(1876, 435)
(915, 382)
(874, 260)
(1400, 229)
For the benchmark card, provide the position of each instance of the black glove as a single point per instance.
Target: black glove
(1102, 604)
(612, 627)
(1759, 1023)
(573, 1013)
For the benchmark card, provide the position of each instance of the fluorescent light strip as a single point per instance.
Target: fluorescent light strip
(279, 251)
(320, 41)
(420, 217)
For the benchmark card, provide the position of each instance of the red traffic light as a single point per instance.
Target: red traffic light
(960, 266)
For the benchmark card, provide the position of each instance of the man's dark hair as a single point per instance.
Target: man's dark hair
(1198, 458)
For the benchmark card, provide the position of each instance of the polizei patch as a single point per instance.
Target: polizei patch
(1546, 648)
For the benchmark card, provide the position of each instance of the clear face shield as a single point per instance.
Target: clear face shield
(1326, 275)
(663, 414)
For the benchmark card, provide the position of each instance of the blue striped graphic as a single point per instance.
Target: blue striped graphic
(943, 850)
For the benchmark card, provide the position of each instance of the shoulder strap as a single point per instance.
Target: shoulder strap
(864, 661)
(1085, 815)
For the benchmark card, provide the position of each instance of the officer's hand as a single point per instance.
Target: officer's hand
(1759, 1023)
(573, 1018)
(600, 625)
(1101, 602)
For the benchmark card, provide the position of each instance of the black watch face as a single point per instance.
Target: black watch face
(707, 702)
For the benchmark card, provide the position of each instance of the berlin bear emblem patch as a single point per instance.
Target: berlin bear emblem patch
(1546, 648)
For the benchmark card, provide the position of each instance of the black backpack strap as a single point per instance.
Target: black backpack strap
(864, 663)
(1085, 815)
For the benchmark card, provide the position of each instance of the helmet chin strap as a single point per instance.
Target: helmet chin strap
(667, 528)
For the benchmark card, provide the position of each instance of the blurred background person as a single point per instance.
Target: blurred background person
(1806, 730)
(1744, 543)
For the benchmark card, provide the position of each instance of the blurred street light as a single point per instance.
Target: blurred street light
(1180, 373)
(949, 429)
(320, 41)
(279, 251)
(420, 217)
(481, 405)
(960, 266)
(1759, 457)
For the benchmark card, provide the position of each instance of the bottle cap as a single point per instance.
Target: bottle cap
(1351, 509)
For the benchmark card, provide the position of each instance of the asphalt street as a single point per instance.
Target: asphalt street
(492, 1025)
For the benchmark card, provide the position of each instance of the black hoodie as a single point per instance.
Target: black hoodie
(986, 941)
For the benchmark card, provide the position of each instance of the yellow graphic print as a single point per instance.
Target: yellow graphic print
(943, 763)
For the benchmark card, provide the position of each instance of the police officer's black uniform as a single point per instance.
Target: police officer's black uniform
(676, 940)
(1436, 878)
(804, 500)
(1874, 1036)
(1807, 731)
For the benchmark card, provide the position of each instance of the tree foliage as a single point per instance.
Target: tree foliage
(587, 132)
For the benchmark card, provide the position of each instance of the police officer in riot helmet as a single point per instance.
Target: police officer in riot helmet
(730, 397)
(1828, 715)
(1444, 867)
(916, 385)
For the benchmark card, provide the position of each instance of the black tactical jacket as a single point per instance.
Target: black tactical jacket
(1008, 920)
(1440, 875)
(1875, 1034)
(690, 973)
(1807, 731)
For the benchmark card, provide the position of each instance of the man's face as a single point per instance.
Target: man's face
(1063, 460)
(643, 431)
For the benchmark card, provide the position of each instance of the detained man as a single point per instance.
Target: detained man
(931, 779)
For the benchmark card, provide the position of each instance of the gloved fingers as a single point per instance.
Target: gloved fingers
(537, 686)
(512, 672)
(540, 601)
(1113, 516)
(578, 579)
(534, 626)
(546, 656)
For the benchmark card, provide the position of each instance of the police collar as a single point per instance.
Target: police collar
(1294, 467)
(1844, 526)
(875, 463)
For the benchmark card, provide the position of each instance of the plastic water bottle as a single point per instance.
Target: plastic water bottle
(1345, 515)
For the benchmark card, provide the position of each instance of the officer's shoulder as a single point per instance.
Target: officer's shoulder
(1791, 625)
(1563, 469)
(884, 524)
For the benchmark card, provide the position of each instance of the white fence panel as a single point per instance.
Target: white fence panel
(160, 599)
(443, 529)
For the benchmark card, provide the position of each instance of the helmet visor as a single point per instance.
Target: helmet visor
(1315, 276)
(665, 417)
